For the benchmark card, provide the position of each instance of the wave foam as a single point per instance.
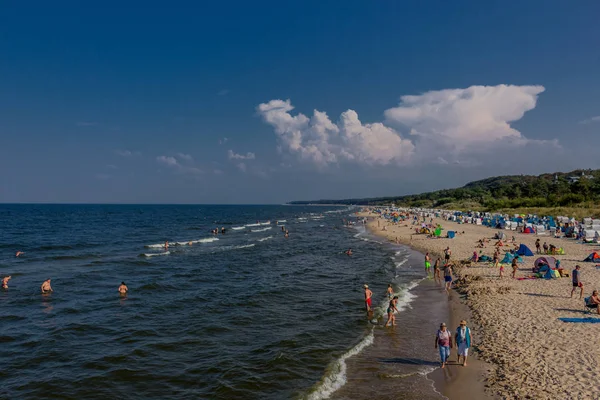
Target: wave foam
(335, 377)
(237, 228)
(251, 225)
(156, 254)
(265, 238)
(261, 230)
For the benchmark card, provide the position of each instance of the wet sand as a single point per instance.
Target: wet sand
(535, 354)
(402, 362)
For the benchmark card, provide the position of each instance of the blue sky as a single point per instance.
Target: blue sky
(199, 102)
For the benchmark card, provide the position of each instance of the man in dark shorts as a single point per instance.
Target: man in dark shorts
(447, 254)
(577, 282)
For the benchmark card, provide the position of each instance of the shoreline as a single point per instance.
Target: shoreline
(527, 328)
(453, 382)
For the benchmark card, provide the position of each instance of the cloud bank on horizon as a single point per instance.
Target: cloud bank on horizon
(437, 125)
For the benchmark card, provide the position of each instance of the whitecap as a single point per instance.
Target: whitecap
(157, 254)
(261, 230)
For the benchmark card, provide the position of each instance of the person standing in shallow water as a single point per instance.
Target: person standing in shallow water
(46, 288)
(368, 296)
(437, 274)
(123, 289)
(427, 263)
(392, 307)
(443, 341)
(390, 291)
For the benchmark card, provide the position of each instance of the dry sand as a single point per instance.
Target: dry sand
(536, 355)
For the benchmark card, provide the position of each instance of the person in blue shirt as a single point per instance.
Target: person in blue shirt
(463, 341)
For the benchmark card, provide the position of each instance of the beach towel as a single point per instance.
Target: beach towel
(582, 320)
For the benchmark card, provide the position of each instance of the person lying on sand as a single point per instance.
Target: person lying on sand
(499, 243)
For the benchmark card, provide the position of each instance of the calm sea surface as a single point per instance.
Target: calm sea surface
(244, 315)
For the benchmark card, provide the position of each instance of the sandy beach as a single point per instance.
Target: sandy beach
(534, 354)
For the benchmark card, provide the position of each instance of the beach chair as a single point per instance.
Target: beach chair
(587, 308)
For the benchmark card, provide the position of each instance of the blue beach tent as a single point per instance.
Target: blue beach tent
(508, 257)
(524, 251)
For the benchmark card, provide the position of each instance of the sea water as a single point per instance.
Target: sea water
(248, 314)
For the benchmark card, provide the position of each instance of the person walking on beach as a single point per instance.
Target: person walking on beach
(447, 254)
(443, 341)
(390, 291)
(577, 281)
(537, 246)
(368, 295)
(437, 274)
(427, 264)
(5, 282)
(46, 288)
(545, 248)
(514, 266)
(392, 307)
(123, 289)
(448, 276)
(463, 342)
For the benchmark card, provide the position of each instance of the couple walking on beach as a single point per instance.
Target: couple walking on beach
(462, 340)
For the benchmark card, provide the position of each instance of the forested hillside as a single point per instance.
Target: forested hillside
(580, 187)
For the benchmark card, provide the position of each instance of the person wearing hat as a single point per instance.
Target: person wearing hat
(368, 295)
(463, 341)
(443, 341)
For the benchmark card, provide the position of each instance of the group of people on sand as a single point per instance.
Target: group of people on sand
(47, 287)
(437, 270)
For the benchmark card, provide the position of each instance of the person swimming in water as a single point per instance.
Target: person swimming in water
(392, 307)
(167, 245)
(5, 282)
(46, 288)
(348, 252)
(123, 289)
(287, 234)
(19, 253)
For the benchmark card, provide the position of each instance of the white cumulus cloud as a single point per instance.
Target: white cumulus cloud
(323, 142)
(234, 156)
(439, 124)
